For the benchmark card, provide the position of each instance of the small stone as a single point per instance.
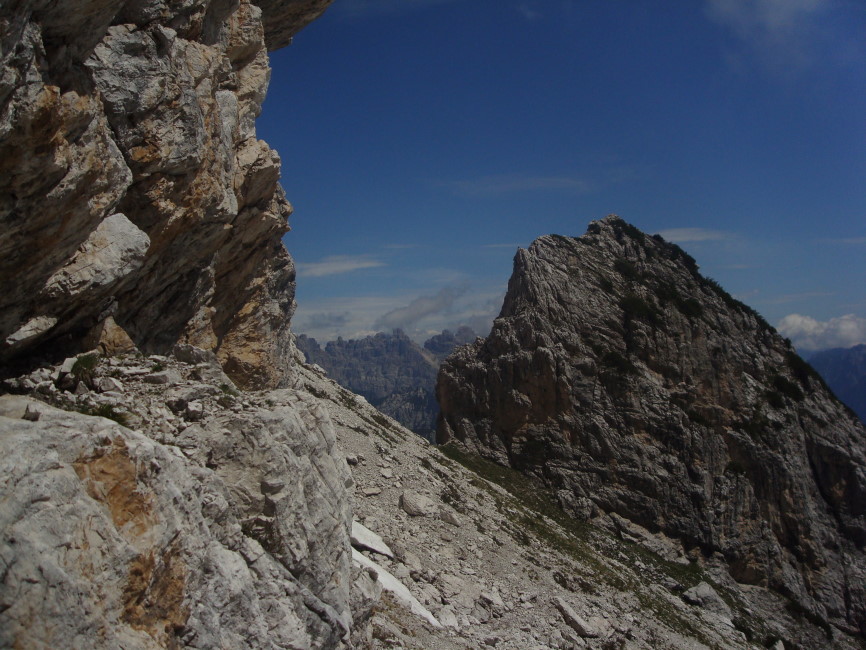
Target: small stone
(371, 491)
(107, 384)
(365, 539)
(66, 366)
(449, 516)
(447, 617)
(703, 595)
(416, 505)
(30, 414)
(162, 377)
(493, 599)
(574, 621)
(194, 411)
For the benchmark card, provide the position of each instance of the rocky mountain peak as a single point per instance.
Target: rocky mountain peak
(631, 384)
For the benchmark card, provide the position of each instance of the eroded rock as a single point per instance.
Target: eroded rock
(632, 385)
(129, 160)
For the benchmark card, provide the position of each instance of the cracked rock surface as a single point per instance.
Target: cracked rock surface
(149, 503)
(631, 385)
(160, 507)
(493, 557)
(129, 161)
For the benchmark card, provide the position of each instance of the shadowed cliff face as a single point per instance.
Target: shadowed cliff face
(631, 384)
(133, 189)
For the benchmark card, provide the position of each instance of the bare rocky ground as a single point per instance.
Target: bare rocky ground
(470, 554)
(487, 552)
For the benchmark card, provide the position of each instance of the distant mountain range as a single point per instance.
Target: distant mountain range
(844, 370)
(393, 373)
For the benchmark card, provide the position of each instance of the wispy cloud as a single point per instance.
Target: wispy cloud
(327, 321)
(681, 235)
(528, 12)
(355, 317)
(806, 333)
(407, 317)
(797, 297)
(336, 264)
(749, 17)
(780, 32)
(488, 186)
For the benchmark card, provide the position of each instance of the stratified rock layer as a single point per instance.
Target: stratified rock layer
(633, 385)
(132, 185)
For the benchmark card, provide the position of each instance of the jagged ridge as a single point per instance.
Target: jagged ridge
(632, 384)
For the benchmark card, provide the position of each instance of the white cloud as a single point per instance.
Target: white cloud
(806, 333)
(779, 31)
(680, 235)
(359, 316)
(336, 264)
(408, 316)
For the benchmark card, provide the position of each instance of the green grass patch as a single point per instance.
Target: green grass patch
(626, 269)
(84, 368)
(105, 411)
(636, 308)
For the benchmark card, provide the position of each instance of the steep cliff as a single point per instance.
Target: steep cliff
(633, 385)
(145, 503)
(133, 190)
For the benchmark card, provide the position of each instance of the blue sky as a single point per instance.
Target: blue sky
(423, 141)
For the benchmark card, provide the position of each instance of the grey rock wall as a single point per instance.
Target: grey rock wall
(132, 184)
(632, 385)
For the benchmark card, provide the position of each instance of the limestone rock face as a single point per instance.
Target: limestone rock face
(132, 185)
(632, 385)
(212, 520)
